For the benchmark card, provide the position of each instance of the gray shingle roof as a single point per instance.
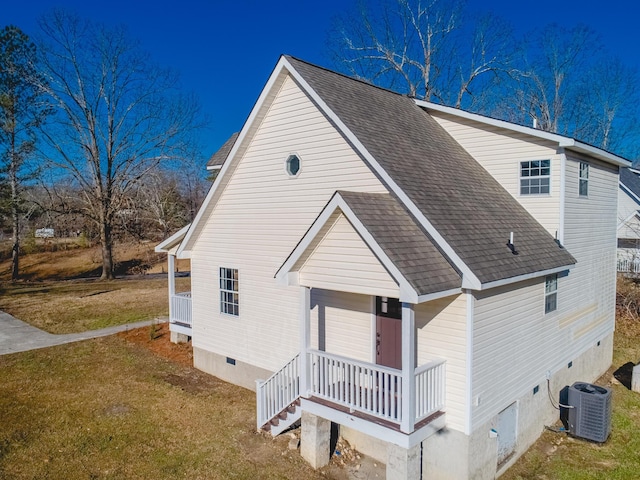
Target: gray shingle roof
(410, 249)
(466, 205)
(218, 158)
(630, 180)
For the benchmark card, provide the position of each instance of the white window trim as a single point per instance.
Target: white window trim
(583, 179)
(550, 293)
(521, 177)
(224, 303)
(286, 165)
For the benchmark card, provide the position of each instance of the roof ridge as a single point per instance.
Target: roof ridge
(344, 75)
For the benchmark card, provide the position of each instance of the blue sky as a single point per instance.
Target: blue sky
(225, 50)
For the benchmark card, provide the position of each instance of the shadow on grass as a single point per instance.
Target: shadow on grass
(623, 374)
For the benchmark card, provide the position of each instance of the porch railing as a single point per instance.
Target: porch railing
(628, 265)
(364, 387)
(430, 388)
(278, 392)
(372, 389)
(181, 308)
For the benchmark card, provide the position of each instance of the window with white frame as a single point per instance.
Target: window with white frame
(584, 179)
(550, 293)
(535, 177)
(229, 291)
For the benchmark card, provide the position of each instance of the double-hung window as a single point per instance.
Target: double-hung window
(584, 179)
(229, 291)
(535, 177)
(550, 293)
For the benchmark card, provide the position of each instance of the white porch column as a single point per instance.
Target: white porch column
(305, 339)
(408, 368)
(172, 282)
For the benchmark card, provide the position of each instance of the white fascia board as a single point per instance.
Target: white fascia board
(596, 152)
(628, 219)
(283, 275)
(169, 243)
(561, 140)
(230, 157)
(407, 292)
(469, 279)
(628, 191)
(436, 295)
(552, 137)
(527, 276)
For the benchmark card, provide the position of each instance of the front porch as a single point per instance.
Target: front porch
(370, 395)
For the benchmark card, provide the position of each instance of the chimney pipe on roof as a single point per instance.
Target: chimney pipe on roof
(510, 244)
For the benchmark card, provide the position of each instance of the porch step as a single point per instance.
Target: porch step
(284, 419)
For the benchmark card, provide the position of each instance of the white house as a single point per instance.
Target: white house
(629, 221)
(419, 275)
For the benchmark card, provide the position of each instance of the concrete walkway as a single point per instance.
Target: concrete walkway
(18, 336)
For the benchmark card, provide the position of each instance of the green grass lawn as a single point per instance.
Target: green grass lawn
(79, 305)
(106, 409)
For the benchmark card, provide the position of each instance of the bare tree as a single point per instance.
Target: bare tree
(118, 116)
(608, 114)
(21, 112)
(426, 48)
(570, 85)
(555, 59)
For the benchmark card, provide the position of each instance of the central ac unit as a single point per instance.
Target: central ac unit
(590, 411)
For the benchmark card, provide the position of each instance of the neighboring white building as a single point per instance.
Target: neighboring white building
(411, 272)
(629, 221)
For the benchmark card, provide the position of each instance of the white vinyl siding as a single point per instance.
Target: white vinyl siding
(515, 343)
(441, 331)
(257, 221)
(590, 236)
(341, 324)
(500, 152)
(343, 262)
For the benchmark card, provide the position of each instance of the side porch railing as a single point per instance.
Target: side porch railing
(372, 389)
(277, 392)
(181, 308)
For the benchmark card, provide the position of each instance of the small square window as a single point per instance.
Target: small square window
(550, 293)
(584, 179)
(535, 177)
(229, 303)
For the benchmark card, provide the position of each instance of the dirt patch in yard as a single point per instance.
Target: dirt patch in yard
(157, 339)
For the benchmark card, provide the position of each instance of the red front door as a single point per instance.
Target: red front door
(389, 332)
